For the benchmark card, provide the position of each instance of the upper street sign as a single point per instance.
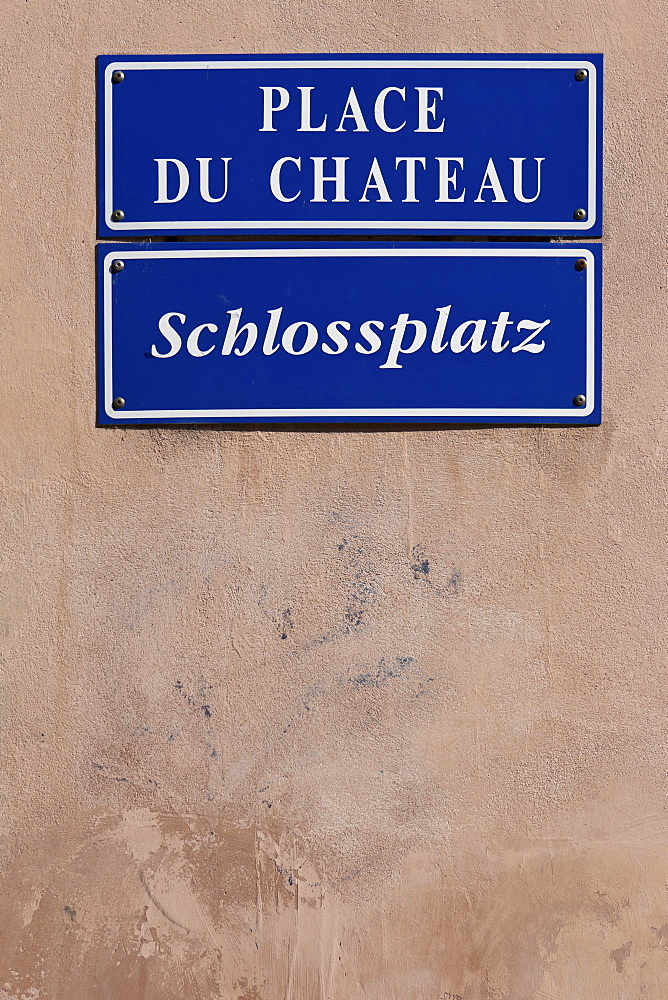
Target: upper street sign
(385, 144)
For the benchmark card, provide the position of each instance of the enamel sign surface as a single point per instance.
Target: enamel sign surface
(477, 333)
(440, 144)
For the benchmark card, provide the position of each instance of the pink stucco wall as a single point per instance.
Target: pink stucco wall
(326, 715)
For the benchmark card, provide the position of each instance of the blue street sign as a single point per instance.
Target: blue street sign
(472, 333)
(350, 144)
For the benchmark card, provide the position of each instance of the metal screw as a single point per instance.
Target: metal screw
(116, 266)
(118, 76)
(580, 264)
(579, 400)
(119, 402)
(578, 214)
(117, 215)
(580, 75)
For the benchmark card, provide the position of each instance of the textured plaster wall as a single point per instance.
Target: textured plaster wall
(319, 714)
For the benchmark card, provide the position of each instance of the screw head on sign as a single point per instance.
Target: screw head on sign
(580, 264)
(579, 400)
(116, 266)
(118, 403)
(580, 75)
(117, 215)
(579, 214)
(118, 76)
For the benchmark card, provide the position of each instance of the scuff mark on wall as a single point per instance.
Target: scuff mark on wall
(619, 955)
(363, 677)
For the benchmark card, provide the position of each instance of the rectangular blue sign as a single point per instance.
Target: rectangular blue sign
(389, 144)
(472, 333)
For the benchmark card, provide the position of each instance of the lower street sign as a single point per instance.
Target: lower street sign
(473, 333)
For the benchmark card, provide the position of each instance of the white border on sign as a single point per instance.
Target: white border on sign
(350, 64)
(488, 251)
